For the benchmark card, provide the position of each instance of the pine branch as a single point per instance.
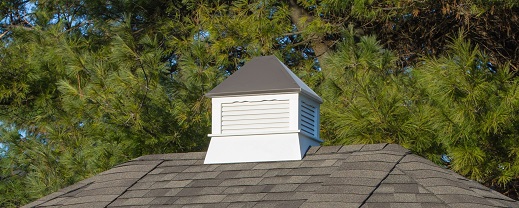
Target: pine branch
(3, 34)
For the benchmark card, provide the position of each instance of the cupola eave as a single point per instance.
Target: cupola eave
(311, 95)
(262, 75)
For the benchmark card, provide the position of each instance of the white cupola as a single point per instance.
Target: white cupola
(262, 112)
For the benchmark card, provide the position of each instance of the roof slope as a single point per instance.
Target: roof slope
(264, 74)
(378, 175)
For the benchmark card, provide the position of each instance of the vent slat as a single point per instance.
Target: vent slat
(308, 107)
(307, 118)
(308, 131)
(308, 114)
(307, 126)
(308, 123)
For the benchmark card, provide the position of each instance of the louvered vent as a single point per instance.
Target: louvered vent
(308, 118)
(255, 116)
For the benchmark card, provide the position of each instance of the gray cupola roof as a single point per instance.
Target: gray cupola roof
(262, 75)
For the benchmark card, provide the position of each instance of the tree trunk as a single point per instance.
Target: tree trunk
(316, 42)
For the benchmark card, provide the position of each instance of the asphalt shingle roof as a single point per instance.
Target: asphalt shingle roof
(379, 175)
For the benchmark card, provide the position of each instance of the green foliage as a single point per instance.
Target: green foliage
(369, 100)
(477, 108)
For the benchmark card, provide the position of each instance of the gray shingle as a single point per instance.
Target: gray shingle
(406, 188)
(161, 184)
(376, 157)
(373, 147)
(367, 165)
(279, 204)
(160, 200)
(179, 176)
(328, 149)
(200, 199)
(443, 190)
(351, 148)
(318, 163)
(205, 183)
(308, 187)
(119, 175)
(281, 196)
(138, 201)
(102, 191)
(276, 172)
(201, 168)
(114, 183)
(190, 192)
(172, 163)
(360, 174)
(352, 181)
(177, 184)
(337, 198)
(284, 188)
(312, 171)
(241, 181)
(54, 202)
(89, 199)
(284, 180)
(275, 165)
(237, 166)
(396, 148)
(345, 189)
(330, 204)
(86, 205)
(242, 205)
(156, 193)
(244, 197)
(428, 198)
(312, 150)
(134, 193)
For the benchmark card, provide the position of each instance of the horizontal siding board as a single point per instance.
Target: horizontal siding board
(255, 107)
(256, 126)
(252, 103)
(254, 112)
(255, 121)
(251, 117)
(252, 130)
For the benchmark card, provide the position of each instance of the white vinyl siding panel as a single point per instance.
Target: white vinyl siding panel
(255, 116)
(307, 118)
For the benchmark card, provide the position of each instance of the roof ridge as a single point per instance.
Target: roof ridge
(140, 178)
(379, 183)
(455, 176)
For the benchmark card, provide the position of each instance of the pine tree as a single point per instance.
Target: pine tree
(368, 99)
(476, 107)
